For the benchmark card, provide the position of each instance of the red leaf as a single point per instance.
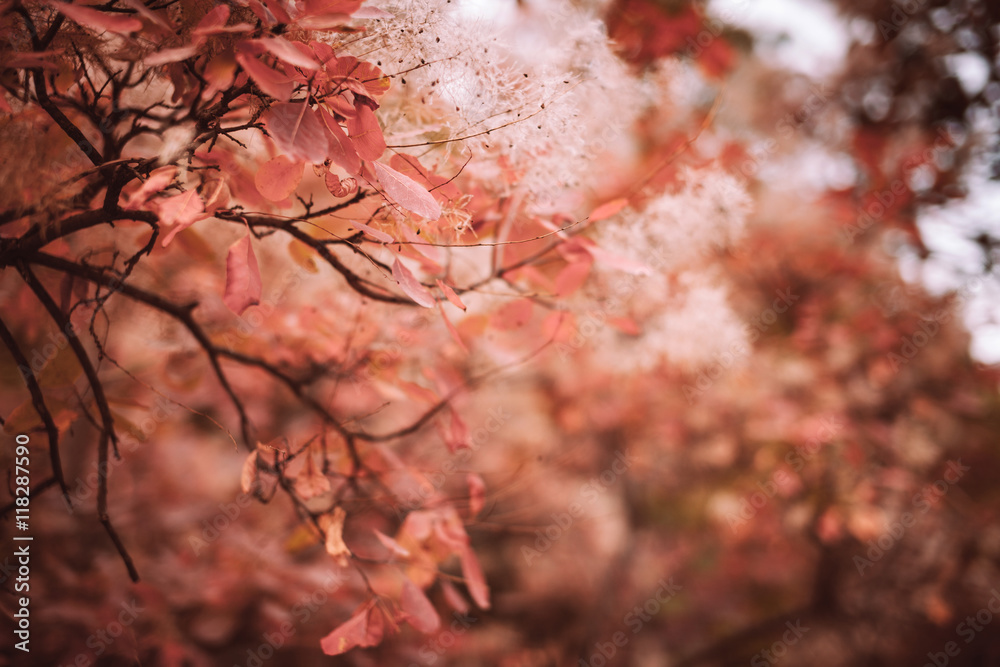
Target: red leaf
(449, 294)
(366, 135)
(243, 286)
(342, 151)
(277, 178)
(406, 192)
(364, 629)
(99, 21)
(270, 81)
(420, 613)
(298, 132)
(477, 493)
(411, 286)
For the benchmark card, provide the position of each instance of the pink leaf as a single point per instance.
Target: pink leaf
(454, 598)
(277, 178)
(418, 609)
(298, 132)
(514, 315)
(572, 277)
(372, 232)
(406, 192)
(411, 286)
(372, 13)
(174, 55)
(364, 629)
(457, 435)
(311, 482)
(449, 294)
(158, 179)
(99, 21)
(181, 211)
(452, 330)
(366, 135)
(474, 578)
(243, 286)
(392, 545)
(285, 51)
(270, 81)
(619, 262)
(477, 493)
(249, 477)
(213, 20)
(607, 209)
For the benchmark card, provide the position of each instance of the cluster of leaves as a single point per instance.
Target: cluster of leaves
(197, 120)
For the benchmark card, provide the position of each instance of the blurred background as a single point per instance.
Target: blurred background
(824, 495)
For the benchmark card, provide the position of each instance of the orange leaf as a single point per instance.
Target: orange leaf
(277, 178)
(449, 294)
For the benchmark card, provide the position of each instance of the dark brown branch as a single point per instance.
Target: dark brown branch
(107, 435)
(180, 313)
(37, 237)
(38, 401)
